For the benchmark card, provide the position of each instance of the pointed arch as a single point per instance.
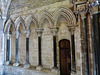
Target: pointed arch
(45, 15)
(18, 21)
(66, 13)
(29, 19)
(8, 24)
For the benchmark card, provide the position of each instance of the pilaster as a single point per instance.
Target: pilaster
(39, 32)
(27, 65)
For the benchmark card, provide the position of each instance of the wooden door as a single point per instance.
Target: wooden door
(65, 57)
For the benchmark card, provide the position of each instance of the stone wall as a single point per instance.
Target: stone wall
(47, 37)
(31, 3)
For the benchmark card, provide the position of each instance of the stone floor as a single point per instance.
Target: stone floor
(11, 70)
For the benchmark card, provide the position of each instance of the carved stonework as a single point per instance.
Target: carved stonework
(93, 8)
(54, 31)
(72, 28)
(82, 11)
(27, 33)
(8, 36)
(39, 31)
(17, 34)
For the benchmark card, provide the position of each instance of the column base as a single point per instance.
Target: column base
(55, 70)
(7, 63)
(16, 64)
(39, 68)
(26, 66)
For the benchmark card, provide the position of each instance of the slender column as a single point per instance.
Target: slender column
(96, 42)
(72, 29)
(54, 32)
(17, 48)
(7, 51)
(27, 65)
(73, 52)
(27, 50)
(39, 32)
(92, 30)
(39, 50)
(85, 44)
(55, 51)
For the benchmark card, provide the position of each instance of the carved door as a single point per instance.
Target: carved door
(65, 57)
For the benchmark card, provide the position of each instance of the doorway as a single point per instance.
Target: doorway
(65, 57)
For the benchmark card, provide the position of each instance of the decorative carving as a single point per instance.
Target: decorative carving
(82, 10)
(27, 33)
(39, 31)
(45, 15)
(72, 28)
(66, 13)
(8, 36)
(54, 31)
(29, 19)
(17, 34)
(93, 7)
(18, 21)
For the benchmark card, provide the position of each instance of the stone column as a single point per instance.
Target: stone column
(72, 29)
(17, 48)
(27, 65)
(2, 21)
(96, 43)
(39, 32)
(54, 32)
(85, 43)
(8, 51)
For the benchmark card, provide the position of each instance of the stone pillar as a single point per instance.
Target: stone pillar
(95, 27)
(27, 65)
(17, 48)
(8, 49)
(54, 31)
(96, 43)
(72, 29)
(92, 35)
(85, 43)
(39, 32)
(2, 21)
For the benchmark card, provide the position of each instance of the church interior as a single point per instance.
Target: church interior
(49, 37)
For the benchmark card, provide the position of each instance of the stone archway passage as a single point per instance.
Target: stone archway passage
(65, 57)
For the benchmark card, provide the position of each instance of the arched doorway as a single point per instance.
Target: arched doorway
(65, 57)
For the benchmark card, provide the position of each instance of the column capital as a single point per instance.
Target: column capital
(82, 10)
(27, 32)
(39, 31)
(94, 7)
(72, 28)
(54, 30)
(8, 36)
(17, 34)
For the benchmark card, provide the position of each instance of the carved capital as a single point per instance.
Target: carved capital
(54, 31)
(27, 33)
(17, 34)
(82, 10)
(72, 28)
(8, 36)
(94, 7)
(39, 31)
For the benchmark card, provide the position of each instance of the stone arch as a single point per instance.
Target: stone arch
(45, 15)
(29, 19)
(18, 21)
(66, 13)
(8, 24)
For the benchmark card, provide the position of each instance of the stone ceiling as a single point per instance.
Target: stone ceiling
(31, 3)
